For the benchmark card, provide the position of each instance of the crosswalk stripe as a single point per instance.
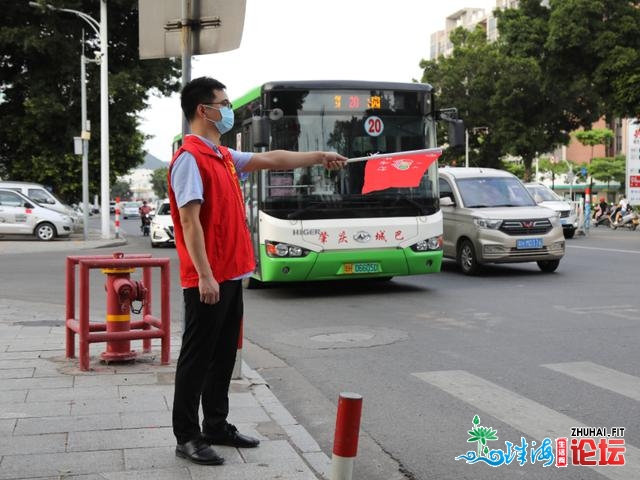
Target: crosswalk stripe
(531, 418)
(617, 382)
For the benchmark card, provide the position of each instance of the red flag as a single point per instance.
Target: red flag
(402, 169)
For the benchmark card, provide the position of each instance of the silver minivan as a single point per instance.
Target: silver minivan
(20, 215)
(490, 217)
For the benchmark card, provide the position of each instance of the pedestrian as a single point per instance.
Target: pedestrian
(215, 253)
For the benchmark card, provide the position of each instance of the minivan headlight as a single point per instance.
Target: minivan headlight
(490, 223)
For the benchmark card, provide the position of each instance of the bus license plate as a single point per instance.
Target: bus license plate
(354, 268)
(529, 243)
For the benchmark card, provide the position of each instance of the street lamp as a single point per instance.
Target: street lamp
(101, 30)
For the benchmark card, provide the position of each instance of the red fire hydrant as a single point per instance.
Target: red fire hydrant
(121, 293)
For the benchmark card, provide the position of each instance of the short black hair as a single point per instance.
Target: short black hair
(197, 91)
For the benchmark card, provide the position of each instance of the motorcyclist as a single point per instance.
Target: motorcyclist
(620, 210)
(601, 209)
(144, 211)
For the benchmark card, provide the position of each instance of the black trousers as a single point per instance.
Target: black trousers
(205, 364)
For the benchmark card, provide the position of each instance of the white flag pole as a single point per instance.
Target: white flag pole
(377, 156)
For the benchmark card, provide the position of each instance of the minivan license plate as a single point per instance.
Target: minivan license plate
(351, 268)
(529, 243)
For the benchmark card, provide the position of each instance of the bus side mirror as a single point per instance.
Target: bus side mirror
(260, 130)
(456, 133)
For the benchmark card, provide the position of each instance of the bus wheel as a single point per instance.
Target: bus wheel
(251, 283)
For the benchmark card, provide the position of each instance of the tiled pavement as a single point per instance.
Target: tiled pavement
(114, 422)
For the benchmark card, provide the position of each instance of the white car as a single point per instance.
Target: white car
(20, 215)
(130, 209)
(162, 226)
(546, 197)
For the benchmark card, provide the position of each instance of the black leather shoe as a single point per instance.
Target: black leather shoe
(230, 437)
(199, 451)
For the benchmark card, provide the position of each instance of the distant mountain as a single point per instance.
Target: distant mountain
(152, 162)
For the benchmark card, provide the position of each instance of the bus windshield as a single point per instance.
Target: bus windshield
(355, 124)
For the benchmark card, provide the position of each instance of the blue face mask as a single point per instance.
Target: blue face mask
(226, 122)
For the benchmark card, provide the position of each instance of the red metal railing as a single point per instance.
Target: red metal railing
(93, 332)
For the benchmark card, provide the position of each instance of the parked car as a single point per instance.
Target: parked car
(162, 226)
(43, 197)
(546, 197)
(490, 217)
(130, 209)
(19, 215)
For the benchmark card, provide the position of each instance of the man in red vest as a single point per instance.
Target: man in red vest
(215, 253)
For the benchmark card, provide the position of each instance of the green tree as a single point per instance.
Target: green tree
(553, 167)
(607, 169)
(593, 51)
(591, 138)
(39, 80)
(160, 183)
(530, 105)
(121, 189)
(466, 80)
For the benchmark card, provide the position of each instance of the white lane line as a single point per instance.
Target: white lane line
(531, 418)
(603, 377)
(604, 249)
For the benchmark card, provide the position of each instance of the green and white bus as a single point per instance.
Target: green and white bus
(314, 224)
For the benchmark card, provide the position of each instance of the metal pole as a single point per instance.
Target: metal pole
(104, 123)
(85, 145)
(466, 148)
(186, 54)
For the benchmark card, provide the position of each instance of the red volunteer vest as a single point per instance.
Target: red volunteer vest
(222, 215)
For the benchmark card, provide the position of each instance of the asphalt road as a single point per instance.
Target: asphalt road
(531, 354)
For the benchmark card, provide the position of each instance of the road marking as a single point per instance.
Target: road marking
(630, 312)
(531, 418)
(603, 377)
(605, 249)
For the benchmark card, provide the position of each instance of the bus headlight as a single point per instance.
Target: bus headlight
(433, 243)
(283, 250)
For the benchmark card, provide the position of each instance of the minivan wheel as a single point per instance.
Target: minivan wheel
(45, 231)
(569, 233)
(467, 258)
(548, 266)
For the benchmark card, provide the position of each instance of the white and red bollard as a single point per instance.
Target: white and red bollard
(345, 442)
(117, 217)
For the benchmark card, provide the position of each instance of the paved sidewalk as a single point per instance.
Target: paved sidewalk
(57, 422)
(114, 422)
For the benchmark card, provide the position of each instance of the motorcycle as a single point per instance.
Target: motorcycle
(603, 219)
(146, 225)
(627, 219)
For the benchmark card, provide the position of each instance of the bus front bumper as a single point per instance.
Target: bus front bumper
(349, 264)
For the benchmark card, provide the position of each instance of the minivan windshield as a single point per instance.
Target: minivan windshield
(489, 192)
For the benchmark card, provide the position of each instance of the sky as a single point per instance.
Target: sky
(313, 40)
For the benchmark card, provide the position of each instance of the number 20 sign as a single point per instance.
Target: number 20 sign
(373, 126)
